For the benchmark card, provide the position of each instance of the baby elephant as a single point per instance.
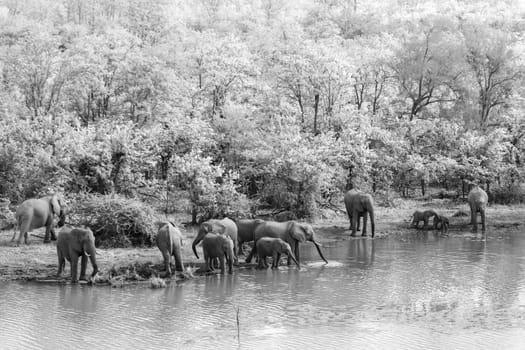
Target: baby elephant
(72, 243)
(441, 223)
(218, 246)
(274, 247)
(422, 216)
(169, 242)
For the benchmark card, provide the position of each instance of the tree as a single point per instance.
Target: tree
(491, 60)
(426, 68)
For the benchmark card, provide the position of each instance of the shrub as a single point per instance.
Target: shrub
(507, 195)
(116, 221)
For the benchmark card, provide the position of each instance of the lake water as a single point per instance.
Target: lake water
(420, 292)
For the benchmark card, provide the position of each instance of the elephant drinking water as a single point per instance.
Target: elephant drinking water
(292, 232)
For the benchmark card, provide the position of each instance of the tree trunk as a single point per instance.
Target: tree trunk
(316, 109)
(423, 187)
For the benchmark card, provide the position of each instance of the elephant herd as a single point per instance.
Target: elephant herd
(222, 240)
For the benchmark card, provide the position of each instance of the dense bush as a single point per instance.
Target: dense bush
(507, 195)
(116, 221)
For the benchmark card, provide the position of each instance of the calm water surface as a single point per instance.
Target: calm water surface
(416, 293)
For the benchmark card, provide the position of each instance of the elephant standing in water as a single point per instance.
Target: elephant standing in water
(225, 226)
(72, 243)
(477, 200)
(35, 213)
(274, 247)
(245, 231)
(291, 232)
(218, 246)
(169, 242)
(358, 204)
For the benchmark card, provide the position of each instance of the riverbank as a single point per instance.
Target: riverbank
(118, 266)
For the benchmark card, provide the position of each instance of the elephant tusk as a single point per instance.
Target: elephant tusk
(87, 254)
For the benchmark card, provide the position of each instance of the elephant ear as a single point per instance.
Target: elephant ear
(297, 231)
(206, 227)
(55, 204)
(219, 228)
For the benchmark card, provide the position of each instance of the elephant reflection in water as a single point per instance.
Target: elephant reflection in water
(363, 250)
(217, 287)
(79, 299)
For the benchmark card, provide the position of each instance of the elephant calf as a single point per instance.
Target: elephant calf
(441, 223)
(169, 242)
(418, 216)
(218, 246)
(274, 247)
(72, 243)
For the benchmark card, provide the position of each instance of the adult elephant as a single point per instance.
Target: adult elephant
(292, 232)
(477, 200)
(245, 231)
(358, 204)
(169, 242)
(74, 243)
(35, 213)
(225, 226)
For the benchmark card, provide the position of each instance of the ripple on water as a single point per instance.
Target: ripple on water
(374, 294)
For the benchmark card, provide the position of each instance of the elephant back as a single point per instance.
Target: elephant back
(477, 195)
(272, 229)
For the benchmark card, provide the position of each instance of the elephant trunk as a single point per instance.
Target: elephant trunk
(319, 251)
(194, 246)
(92, 257)
(62, 218)
(290, 256)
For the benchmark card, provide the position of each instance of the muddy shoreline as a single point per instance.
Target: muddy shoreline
(37, 262)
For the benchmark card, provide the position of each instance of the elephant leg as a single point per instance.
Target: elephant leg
(46, 236)
(355, 217)
(475, 221)
(472, 214)
(235, 251)
(83, 265)
(297, 255)
(221, 263)
(276, 259)
(74, 268)
(358, 222)
(208, 263)
(166, 257)
(364, 225)
(61, 263)
(260, 263)
(53, 235)
(252, 253)
(239, 247)
(179, 266)
(482, 213)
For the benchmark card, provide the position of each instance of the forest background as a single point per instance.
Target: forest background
(227, 107)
